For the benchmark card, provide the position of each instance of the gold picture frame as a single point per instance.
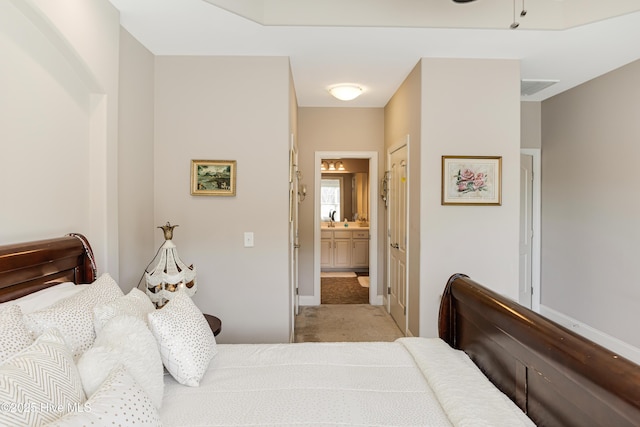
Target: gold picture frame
(472, 180)
(213, 177)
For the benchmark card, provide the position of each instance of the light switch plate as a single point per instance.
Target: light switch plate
(248, 239)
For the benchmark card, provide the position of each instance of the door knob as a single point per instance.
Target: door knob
(395, 245)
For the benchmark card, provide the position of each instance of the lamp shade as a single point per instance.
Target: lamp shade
(170, 273)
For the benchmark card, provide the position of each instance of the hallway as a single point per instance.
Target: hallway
(345, 323)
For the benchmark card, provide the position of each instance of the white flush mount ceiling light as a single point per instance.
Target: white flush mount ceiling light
(345, 92)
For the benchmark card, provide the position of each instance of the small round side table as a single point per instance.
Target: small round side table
(214, 323)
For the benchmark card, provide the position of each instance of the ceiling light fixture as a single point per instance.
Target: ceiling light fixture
(345, 92)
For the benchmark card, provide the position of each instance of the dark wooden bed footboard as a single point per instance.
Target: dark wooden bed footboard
(31, 266)
(556, 376)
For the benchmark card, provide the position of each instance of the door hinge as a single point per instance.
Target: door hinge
(405, 311)
(389, 290)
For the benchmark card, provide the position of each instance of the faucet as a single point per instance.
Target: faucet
(332, 220)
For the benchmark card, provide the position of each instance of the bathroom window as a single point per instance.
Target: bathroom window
(330, 197)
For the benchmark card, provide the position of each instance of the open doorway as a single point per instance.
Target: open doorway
(345, 219)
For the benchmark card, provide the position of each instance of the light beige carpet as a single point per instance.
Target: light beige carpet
(345, 323)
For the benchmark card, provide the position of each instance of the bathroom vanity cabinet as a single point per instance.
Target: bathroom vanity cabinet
(343, 249)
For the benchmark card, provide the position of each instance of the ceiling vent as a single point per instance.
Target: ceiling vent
(529, 87)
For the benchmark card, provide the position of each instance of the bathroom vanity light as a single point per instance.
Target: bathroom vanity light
(345, 92)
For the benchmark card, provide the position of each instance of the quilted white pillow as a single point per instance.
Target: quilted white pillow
(124, 340)
(135, 303)
(40, 384)
(73, 316)
(186, 342)
(14, 335)
(118, 402)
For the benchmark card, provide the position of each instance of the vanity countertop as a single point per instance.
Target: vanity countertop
(341, 226)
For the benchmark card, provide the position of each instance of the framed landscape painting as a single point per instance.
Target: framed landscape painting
(471, 180)
(213, 177)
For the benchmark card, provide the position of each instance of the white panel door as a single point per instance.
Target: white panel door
(397, 234)
(294, 242)
(526, 229)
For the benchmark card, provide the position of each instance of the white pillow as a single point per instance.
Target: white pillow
(124, 340)
(73, 316)
(46, 297)
(186, 342)
(135, 303)
(40, 384)
(14, 335)
(119, 402)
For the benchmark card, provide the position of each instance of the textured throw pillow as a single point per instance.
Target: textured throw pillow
(186, 342)
(73, 316)
(124, 340)
(135, 303)
(40, 384)
(14, 335)
(118, 402)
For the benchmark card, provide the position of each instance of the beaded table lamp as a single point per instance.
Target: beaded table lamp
(170, 274)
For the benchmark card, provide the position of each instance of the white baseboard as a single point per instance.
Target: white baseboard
(307, 300)
(614, 344)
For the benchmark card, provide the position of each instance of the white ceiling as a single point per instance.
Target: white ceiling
(376, 43)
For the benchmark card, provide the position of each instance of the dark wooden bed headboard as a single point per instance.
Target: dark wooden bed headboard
(31, 266)
(556, 376)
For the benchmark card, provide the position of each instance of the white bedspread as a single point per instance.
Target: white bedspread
(326, 384)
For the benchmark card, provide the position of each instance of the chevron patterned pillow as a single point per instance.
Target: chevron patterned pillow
(39, 384)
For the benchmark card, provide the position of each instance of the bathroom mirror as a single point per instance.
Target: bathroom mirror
(345, 191)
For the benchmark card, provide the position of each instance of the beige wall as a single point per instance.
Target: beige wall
(402, 119)
(228, 108)
(590, 207)
(331, 129)
(59, 113)
(136, 224)
(480, 241)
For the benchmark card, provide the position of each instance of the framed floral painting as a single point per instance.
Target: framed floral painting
(471, 180)
(213, 177)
